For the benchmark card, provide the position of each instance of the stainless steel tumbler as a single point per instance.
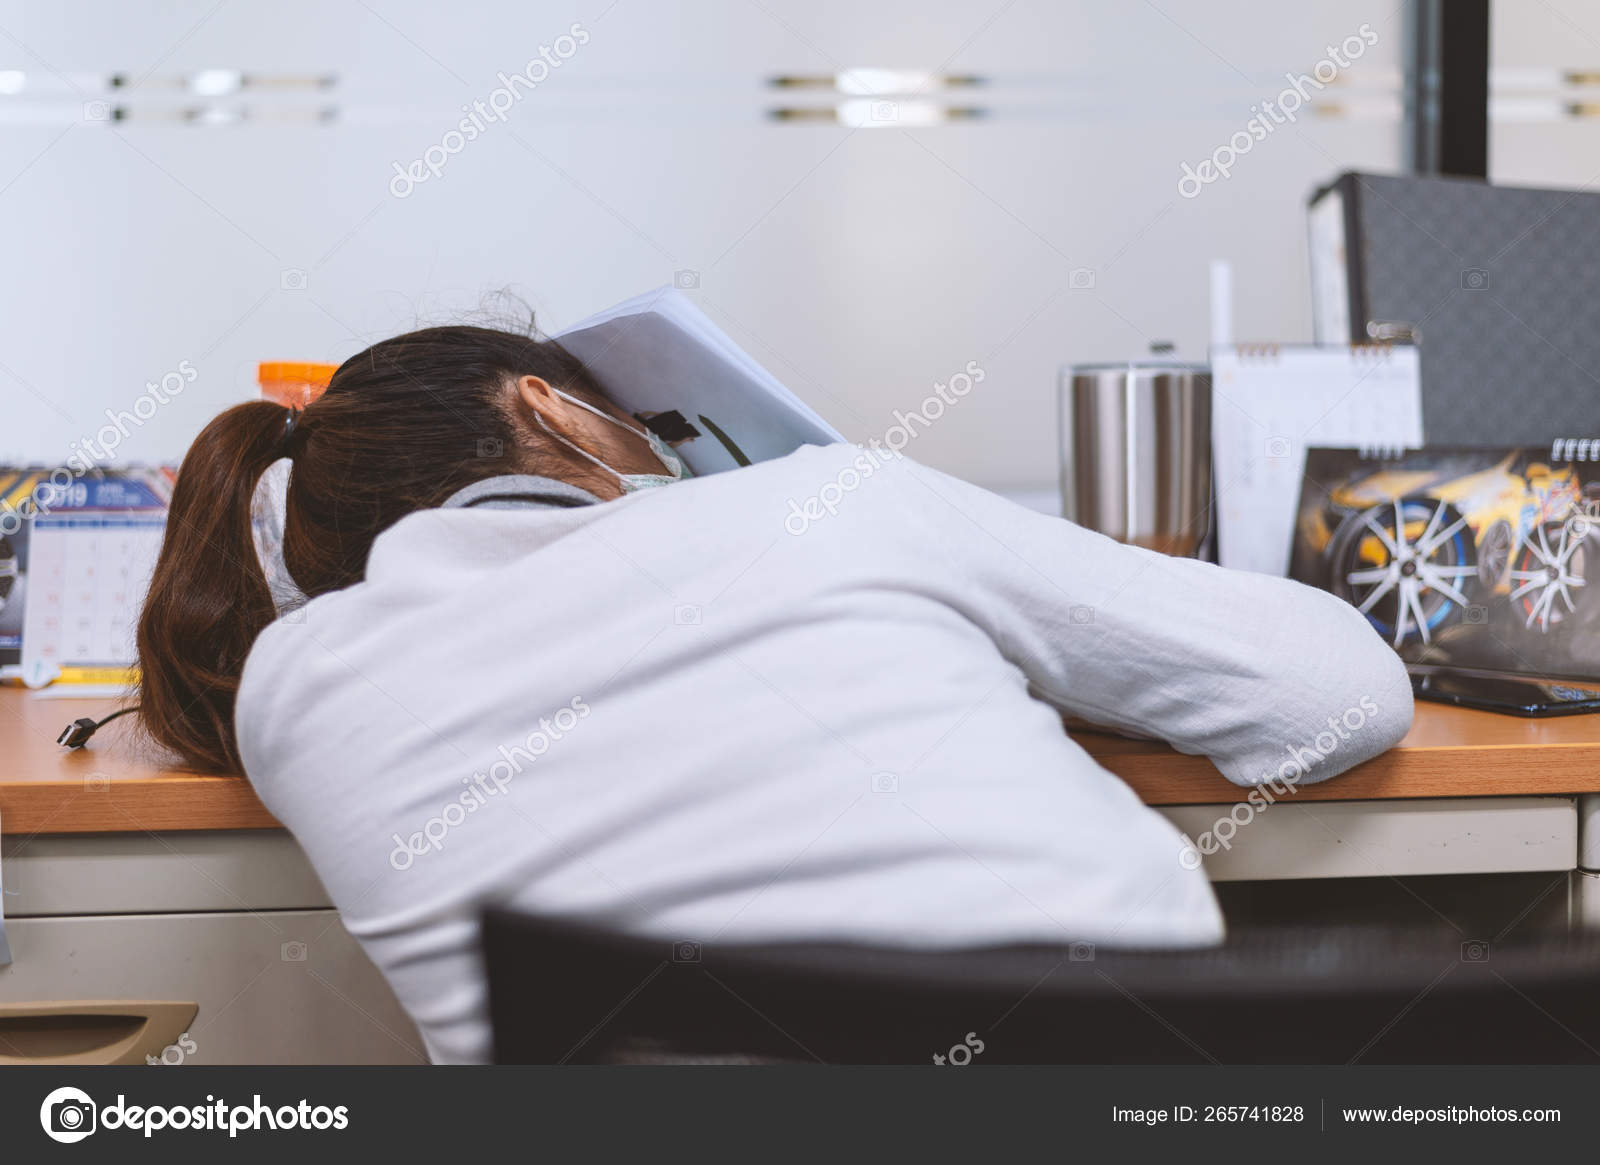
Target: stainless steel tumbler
(1136, 452)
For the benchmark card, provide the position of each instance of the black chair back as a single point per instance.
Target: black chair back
(562, 993)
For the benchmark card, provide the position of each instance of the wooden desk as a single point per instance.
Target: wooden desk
(114, 785)
(1449, 752)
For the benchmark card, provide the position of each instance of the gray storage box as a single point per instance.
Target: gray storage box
(1499, 282)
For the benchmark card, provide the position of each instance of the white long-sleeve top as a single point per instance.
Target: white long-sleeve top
(817, 698)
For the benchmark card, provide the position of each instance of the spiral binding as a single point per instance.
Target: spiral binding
(1373, 349)
(1384, 452)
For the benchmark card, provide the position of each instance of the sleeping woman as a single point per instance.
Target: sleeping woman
(541, 665)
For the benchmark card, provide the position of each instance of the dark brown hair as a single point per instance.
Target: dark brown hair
(400, 428)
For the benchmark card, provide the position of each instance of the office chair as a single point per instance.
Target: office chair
(564, 993)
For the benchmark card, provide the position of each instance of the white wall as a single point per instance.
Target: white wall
(860, 266)
(1534, 140)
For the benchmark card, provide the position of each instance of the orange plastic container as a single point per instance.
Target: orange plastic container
(293, 384)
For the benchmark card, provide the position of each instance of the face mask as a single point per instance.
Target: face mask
(630, 482)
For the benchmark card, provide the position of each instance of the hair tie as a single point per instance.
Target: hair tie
(286, 443)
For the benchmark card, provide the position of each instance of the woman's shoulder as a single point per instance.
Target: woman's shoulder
(296, 662)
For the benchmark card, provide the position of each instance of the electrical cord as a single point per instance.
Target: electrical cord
(78, 733)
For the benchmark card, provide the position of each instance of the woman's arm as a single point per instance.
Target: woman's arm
(1268, 678)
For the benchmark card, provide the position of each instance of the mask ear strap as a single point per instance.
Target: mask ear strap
(601, 413)
(649, 437)
(575, 447)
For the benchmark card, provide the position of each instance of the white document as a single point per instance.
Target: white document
(658, 353)
(1330, 271)
(1269, 405)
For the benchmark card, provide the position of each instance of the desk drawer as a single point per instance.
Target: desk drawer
(143, 873)
(272, 987)
(1366, 839)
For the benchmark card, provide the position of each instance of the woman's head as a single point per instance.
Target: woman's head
(400, 428)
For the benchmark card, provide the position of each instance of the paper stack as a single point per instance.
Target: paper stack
(657, 355)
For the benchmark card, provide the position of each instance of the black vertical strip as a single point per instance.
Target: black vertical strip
(1422, 87)
(1463, 27)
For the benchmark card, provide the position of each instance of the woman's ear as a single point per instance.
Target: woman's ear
(537, 395)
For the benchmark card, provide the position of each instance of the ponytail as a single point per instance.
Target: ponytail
(209, 598)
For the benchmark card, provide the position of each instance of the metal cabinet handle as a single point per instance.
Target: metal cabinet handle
(116, 1031)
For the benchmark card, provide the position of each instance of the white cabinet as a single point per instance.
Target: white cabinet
(234, 924)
